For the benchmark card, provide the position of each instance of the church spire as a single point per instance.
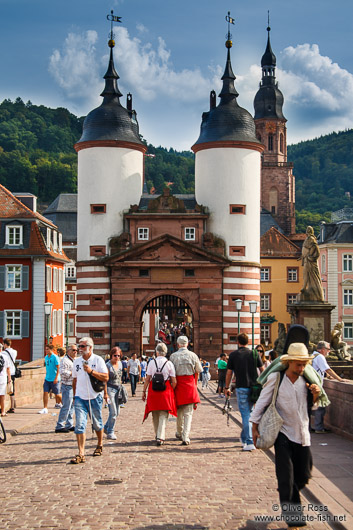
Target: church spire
(228, 89)
(268, 61)
(111, 76)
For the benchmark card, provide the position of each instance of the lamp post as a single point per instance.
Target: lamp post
(67, 309)
(252, 307)
(238, 305)
(47, 311)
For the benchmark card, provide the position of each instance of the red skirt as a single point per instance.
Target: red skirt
(186, 390)
(164, 400)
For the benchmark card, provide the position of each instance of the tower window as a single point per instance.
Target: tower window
(144, 273)
(237, 251)
(281, 143)
(270, 142)
(190, 234)
(237, 208)
(189, 273)
(143, 234)
(97, 251)
(98, 208)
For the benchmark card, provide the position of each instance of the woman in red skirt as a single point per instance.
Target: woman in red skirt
(160, 402)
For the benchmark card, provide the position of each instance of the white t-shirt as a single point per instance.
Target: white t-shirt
(134, 366)
(13, 355)
(168, 370)
(84, 388)
(320, 365)
(3, 373)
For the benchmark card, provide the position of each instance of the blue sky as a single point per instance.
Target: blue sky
(170, 54)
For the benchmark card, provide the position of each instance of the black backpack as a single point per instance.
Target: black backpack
(158, 383)
(2, 363)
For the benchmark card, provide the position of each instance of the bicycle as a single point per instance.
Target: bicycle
(2, 432)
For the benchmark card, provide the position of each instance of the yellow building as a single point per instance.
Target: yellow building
(281, 281)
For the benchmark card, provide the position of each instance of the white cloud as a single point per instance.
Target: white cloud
(76, 70)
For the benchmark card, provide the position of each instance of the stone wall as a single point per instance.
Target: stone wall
(29, 387)
(339, 415)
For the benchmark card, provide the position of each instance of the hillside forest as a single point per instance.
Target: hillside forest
(37, 156)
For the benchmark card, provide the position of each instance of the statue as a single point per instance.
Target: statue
(281, 339)
(312, 288)
(336, 343)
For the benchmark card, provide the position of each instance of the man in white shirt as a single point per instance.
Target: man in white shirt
(65, 419)
(87, 401)
(5, 377)
(292, 447)
(11, 354)
(134, 372)
(321, 366)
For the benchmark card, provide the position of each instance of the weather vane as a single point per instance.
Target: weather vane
(230, 21)
(112, 18)
(268, 20)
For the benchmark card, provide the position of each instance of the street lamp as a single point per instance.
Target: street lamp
(253, 308)
(47, 311)
(67, 309)
(238, 306)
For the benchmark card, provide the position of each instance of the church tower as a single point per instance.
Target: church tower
(277, 179)
(227, 180)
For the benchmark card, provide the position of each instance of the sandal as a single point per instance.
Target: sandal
(98, 450)
(78, 459)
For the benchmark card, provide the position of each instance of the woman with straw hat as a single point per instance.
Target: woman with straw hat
(292, 447)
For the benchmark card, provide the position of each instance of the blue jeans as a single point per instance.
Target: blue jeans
(133, 381)
(245, 406)
(65, 419)
(82, 411)
(114, 409)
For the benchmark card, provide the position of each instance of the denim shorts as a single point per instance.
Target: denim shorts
(82, 412)
(51, 386)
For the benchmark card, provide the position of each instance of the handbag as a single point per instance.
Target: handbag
(97, 385)
(18, 372)
(271, 422)
(256, 387)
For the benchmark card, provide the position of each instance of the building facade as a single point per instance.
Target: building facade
(31, 274)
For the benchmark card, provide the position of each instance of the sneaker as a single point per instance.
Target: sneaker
(43, 411)
(122, 406)
(249, 447)
(178, 436)
(111, 436)
(70, 429)
(323, 431)
(61, 430)
(58, 406)
(185, 442)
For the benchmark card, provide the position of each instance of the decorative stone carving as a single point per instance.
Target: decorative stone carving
(337, 344)
(281, 339)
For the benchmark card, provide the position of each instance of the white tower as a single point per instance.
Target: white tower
(110, 179)
(227, 180)
(110, 169)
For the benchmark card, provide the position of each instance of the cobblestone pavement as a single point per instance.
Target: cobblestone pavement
(209, 485)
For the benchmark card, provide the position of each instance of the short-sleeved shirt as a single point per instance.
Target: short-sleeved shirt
(143, 365)
(168, 370)
(51, 366)
(222, 365)
(186, 362)
(84, 388)
(10, 351)
(320, 364)
(134, 366)
(3, 373)
(205, 367)
(242, 363)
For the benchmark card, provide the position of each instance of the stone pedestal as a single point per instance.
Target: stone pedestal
(315, 316)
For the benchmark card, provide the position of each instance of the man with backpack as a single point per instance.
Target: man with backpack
(11, 354)
(160, 381)
(187, 367)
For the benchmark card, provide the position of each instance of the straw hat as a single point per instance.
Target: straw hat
(297, 351)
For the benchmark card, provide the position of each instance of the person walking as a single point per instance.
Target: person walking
(112, 390)
(242, 363)
(293, 458)
(87, 401)
(222, 372)
(187, 367)
(321, 366)
(205, 373)
(11, 354)
(65, 420)
(160, 402)
(124, 378)
(134, 372)
(5, 378)
(52, 379)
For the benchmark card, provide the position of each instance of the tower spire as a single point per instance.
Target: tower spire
(111, 76)
(228, 89)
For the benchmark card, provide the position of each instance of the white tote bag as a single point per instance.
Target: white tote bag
(270, 423)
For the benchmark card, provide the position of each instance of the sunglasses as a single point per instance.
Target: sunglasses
(82, 345)
(116, 355)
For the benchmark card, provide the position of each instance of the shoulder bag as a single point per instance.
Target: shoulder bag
(271, 422)
(256, 387)
(18, 372)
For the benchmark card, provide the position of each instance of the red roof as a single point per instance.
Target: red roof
(11, 207)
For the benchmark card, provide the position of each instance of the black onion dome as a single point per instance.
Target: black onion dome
(268, 102)
(111, 121)
(228, 121)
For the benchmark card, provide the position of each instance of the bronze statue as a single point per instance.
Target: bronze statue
(312, 288)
